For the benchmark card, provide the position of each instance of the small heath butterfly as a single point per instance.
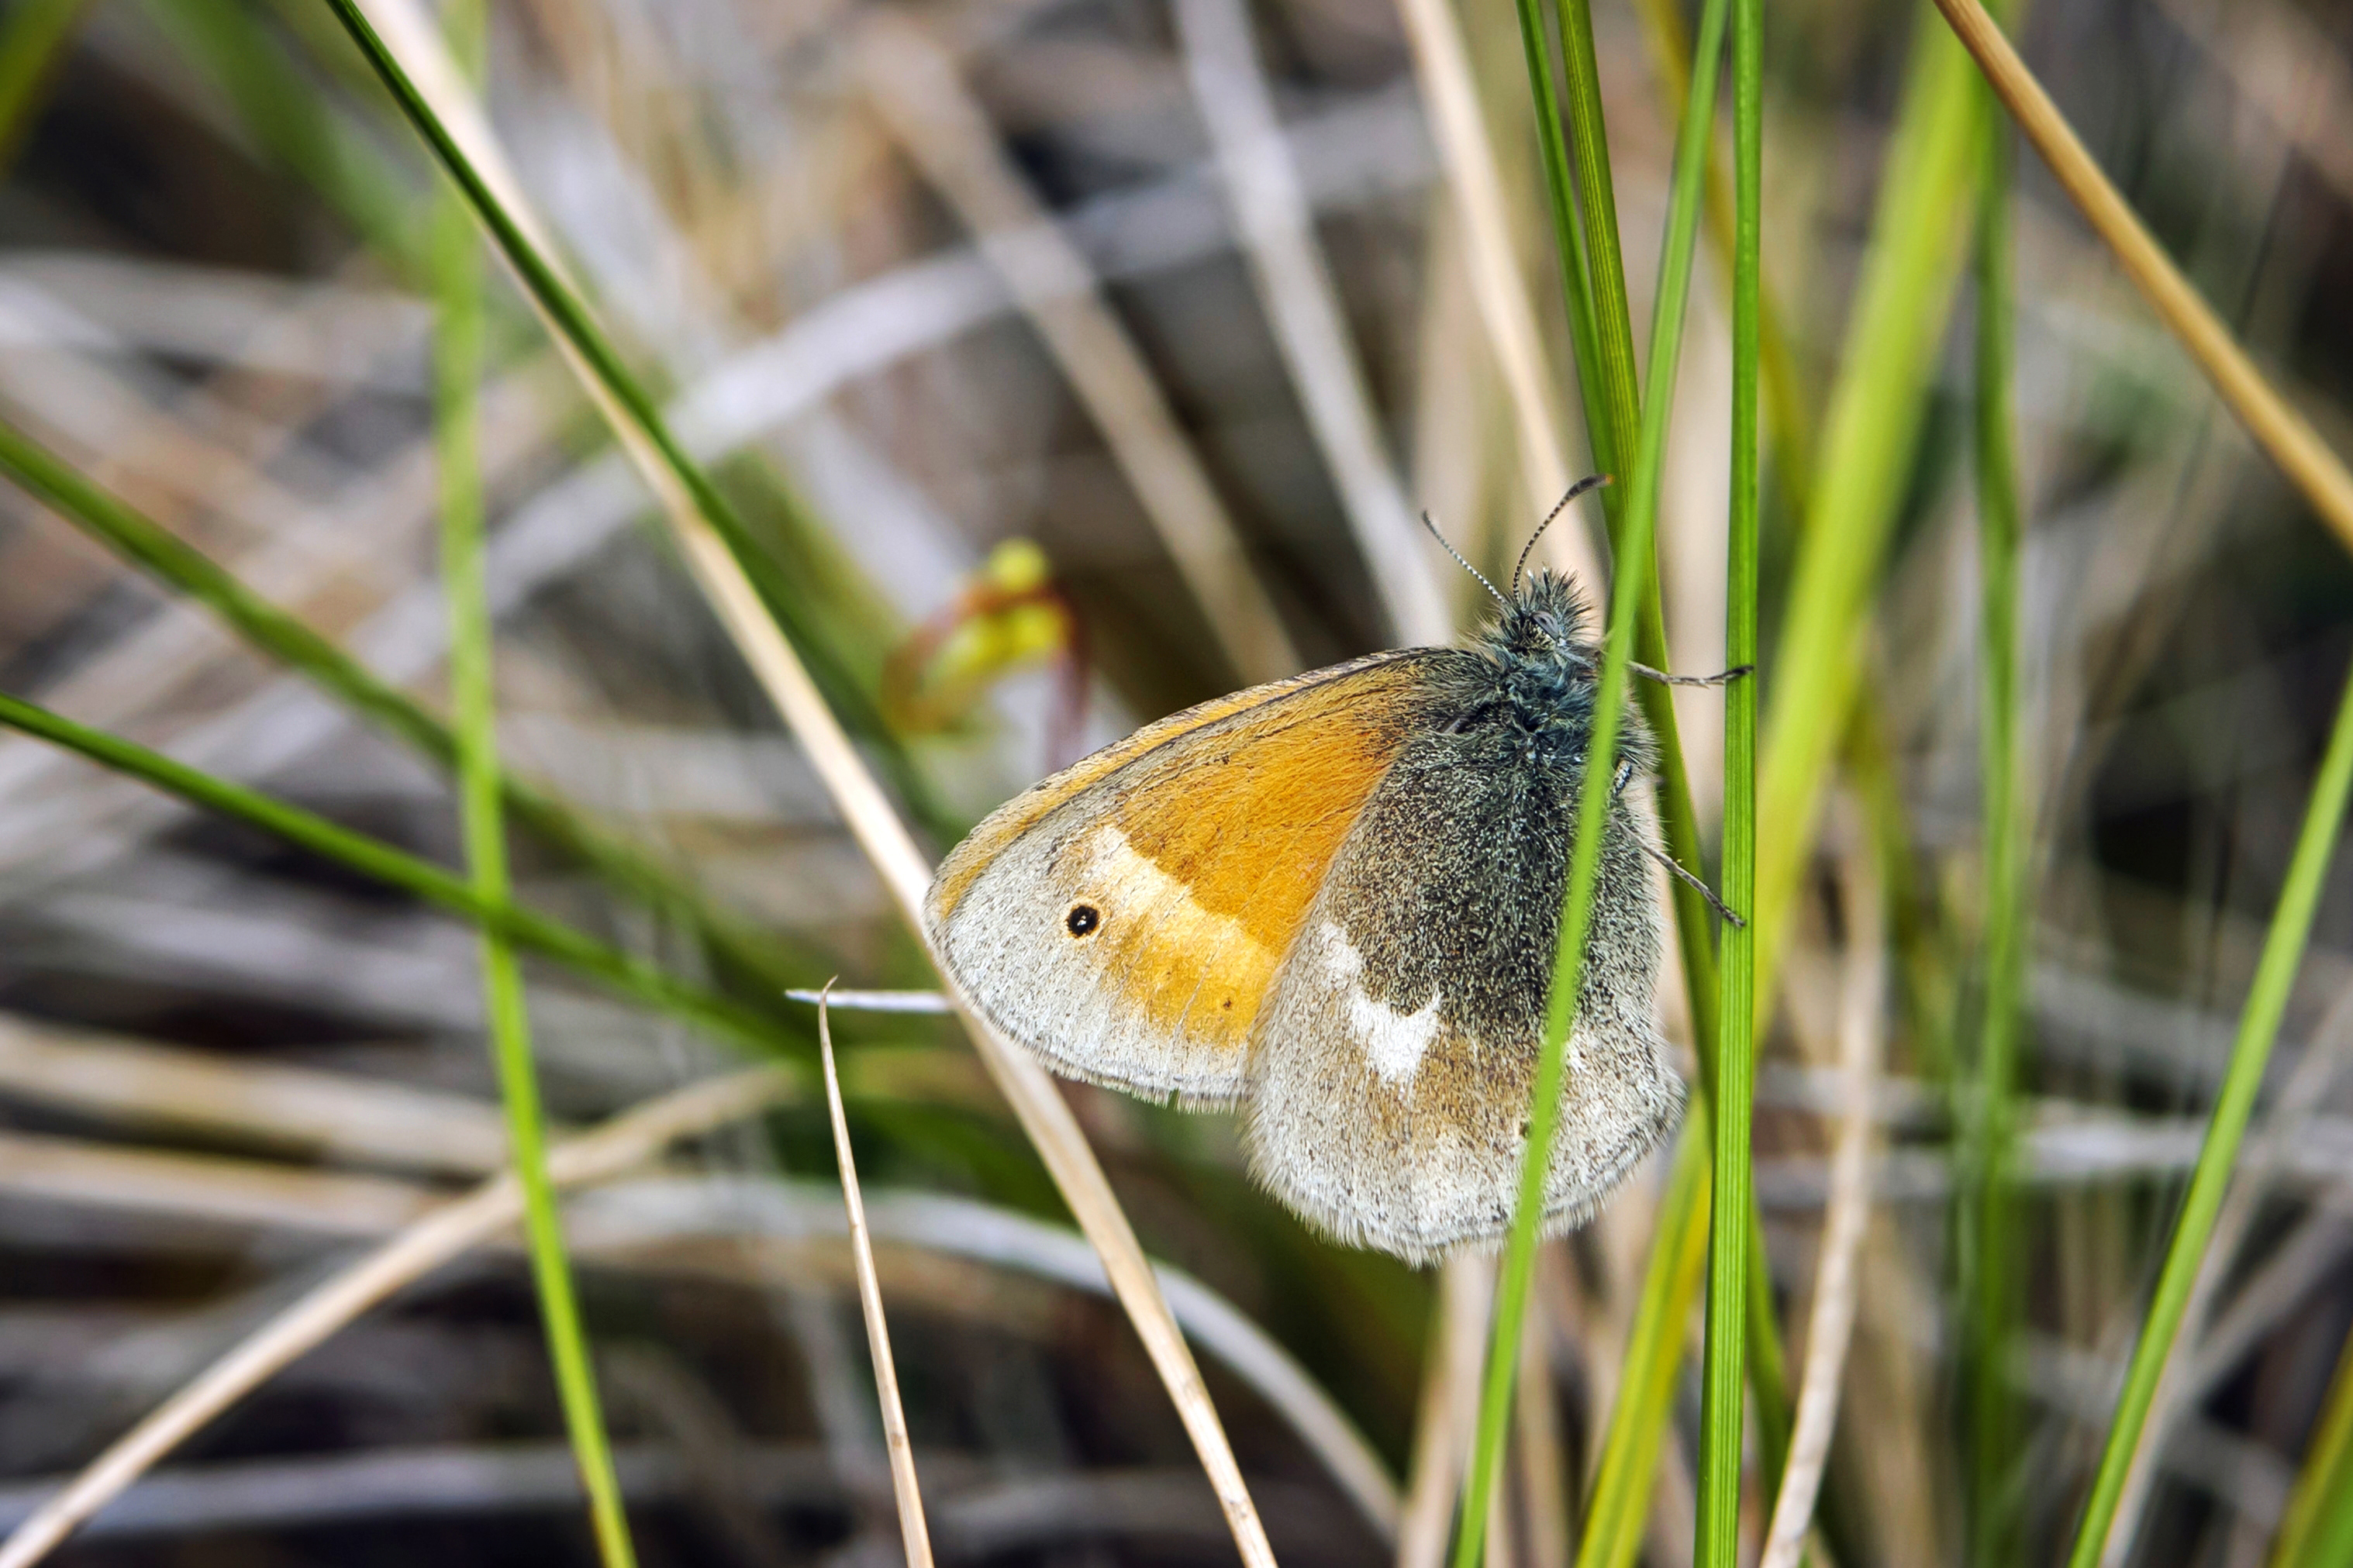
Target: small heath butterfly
(1333, 900)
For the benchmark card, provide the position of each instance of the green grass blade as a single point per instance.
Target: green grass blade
(32, 37)
(1568, 244)
(1782, 404)
(1543, 1115)
(294, 126)
(285, 638)
(2283, 952)
(374, 859)
(1606, 416)
(1619, 1508)
(2316, 1529)
(457, 372)
(1911, 269)
(1596, 201)
(1627, 592)
(1986, 1228)
(1716, 1539)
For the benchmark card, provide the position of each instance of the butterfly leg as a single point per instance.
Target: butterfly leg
(1701, 888)
(1618, 787)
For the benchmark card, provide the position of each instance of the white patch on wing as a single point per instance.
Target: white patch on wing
(1393, 1042)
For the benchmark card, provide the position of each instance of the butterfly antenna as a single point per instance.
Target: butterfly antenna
(1704, 891)
(1459, 561)
(1590, 482)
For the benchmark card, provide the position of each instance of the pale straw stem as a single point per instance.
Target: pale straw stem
(1830, 1327)
(920, 94)
(2276, 426)
(1448, 1410)
(1278, 235)
(913, 1529)
(1507, 312)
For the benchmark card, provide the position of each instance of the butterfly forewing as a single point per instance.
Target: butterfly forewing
(1126, 918)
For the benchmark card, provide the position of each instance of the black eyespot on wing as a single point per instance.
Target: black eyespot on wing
(1083, 920)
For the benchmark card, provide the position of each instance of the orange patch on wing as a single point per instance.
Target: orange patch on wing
(1237, 839)
(1390, 677)
(1203, 840)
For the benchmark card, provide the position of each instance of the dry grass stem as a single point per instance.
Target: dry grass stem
(2275, 424)
(1829, 1326)
(334, 1114)
(1538, 1448)
(1448, 1410)
(913, 1529)
(622, 1143)
(1506, 313)
(916, 1002)
(917, 89)
(1044, 1115)
(1278, 233)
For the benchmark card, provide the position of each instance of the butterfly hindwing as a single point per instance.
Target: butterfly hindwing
(1126, 919)
(1395, 1060)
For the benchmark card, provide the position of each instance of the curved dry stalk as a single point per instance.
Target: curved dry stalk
(1045, 1116)
(1506, 313)
(2275, 424)
(662, 1209)
(142, 1083)
(1830, 1327)
(913, 1529)
(627, 1140)
(1278, 235)
(916, 87)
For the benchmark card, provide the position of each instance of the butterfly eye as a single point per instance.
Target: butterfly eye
(1083, 920)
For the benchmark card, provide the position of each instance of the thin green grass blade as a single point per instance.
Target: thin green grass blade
(1627, 592)
(457, 372)
(1543, 1115)
(288, 640)
(32, 37)
(294, 126)
(2283, 952)
(372, 857)
(1786, 420)
(1568, 241)
(1986, 1228)
(2316, 1529)
(1596, 201)
(1716, 1537)
(1606, 416)
(638, 411)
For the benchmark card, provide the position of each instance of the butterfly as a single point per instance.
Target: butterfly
(1333, 902)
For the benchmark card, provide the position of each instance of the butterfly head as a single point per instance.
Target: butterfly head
(1546, 666)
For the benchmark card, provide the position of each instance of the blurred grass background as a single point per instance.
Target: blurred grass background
(227, 1065)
